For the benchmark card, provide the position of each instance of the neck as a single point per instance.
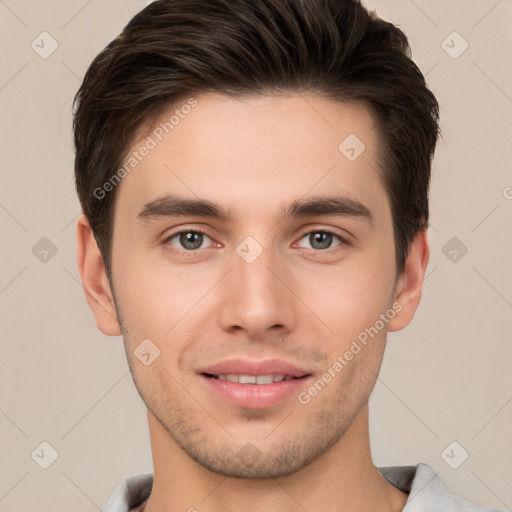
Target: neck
(344, 476)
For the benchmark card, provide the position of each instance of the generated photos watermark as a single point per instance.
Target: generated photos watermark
(357, 345)
(151, 142)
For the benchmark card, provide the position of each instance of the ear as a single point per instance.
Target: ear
(409, 285)
(94, 280)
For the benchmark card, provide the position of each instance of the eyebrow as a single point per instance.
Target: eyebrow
(176, 206)
(328, 206)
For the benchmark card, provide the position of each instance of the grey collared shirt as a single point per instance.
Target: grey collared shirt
(427, 492)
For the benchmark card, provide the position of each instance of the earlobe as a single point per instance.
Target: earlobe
(409, 285)
(94, 280)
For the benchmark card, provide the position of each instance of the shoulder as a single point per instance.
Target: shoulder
(427, 492)
(130, 493)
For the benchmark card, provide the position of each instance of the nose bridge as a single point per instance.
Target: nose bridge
(255, 298)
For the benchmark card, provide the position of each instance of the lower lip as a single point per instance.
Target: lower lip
(255, 396)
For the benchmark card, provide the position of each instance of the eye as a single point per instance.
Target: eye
(189, 240)
(321, 240)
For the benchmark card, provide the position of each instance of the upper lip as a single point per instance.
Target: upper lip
(247, 367)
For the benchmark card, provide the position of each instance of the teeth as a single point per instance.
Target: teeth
(247, 379)
(265, 379)
(253, 379)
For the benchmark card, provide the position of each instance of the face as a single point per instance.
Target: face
(250, 246)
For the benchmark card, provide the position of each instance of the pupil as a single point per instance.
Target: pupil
(320, 240)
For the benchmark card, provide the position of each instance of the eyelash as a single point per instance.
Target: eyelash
(342, 241)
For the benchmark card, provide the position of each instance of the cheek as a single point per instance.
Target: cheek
(350, 298)
(157, 299)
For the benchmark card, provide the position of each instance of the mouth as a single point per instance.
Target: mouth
(256, 385)
(252, 379)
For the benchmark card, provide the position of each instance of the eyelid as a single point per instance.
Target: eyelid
(344, 240)
(185, 230)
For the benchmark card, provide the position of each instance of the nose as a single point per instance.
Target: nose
(256, 298)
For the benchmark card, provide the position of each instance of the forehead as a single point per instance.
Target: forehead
(255, 153)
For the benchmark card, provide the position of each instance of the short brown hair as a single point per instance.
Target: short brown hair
(333, 48)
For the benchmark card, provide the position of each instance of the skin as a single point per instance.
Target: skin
(296, 302)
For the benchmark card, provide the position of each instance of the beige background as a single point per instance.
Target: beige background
(445, 378)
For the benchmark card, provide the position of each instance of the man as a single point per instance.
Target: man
(254, 180)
